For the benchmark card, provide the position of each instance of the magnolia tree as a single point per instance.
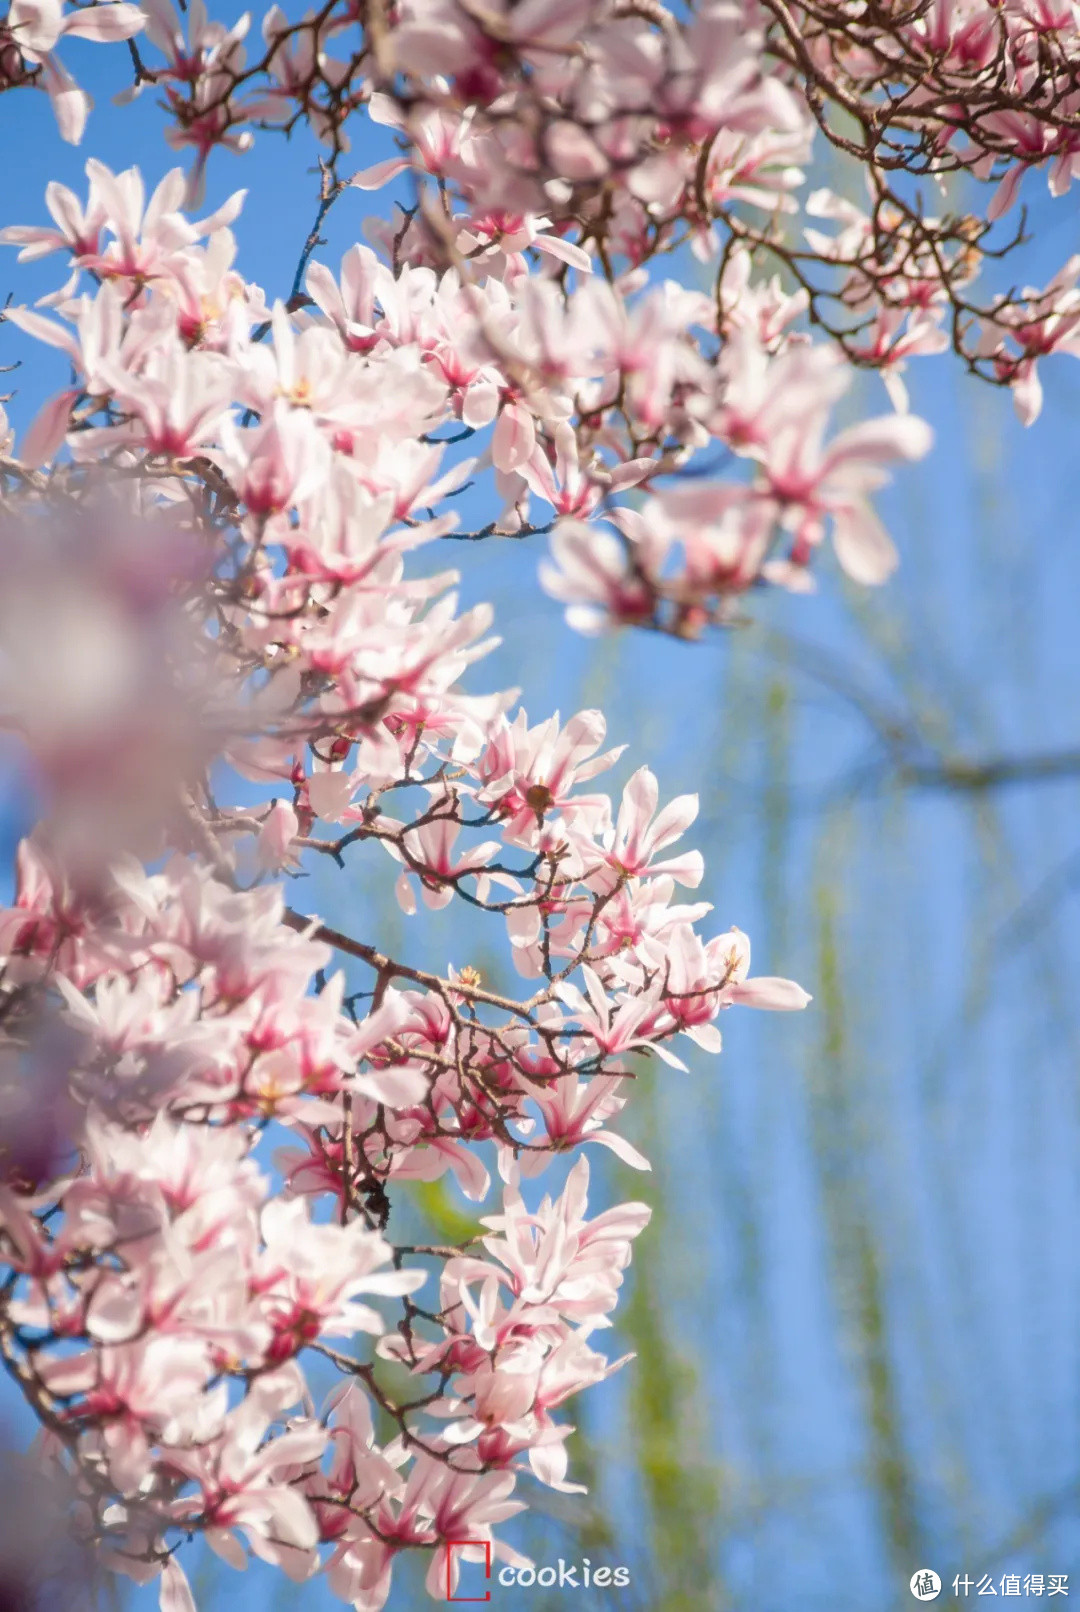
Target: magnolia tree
(222, 664)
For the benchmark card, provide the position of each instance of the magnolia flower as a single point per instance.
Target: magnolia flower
(574, 1113)
(429, 852)
(37, 26)
(597, 577)
(312, 1277)
(640, 831)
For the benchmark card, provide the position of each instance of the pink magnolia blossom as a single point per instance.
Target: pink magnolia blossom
(207, 732)
(37, 26)
(640, 831)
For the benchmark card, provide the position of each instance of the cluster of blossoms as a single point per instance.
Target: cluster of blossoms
(221, 532)
(223, 671)
(559, 154)
(609, 390)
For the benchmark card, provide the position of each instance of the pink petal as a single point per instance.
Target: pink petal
(863, 546)
(380, 174)
(106, 23)
(71, 105)
(890, 436)
(621, 1148)
(329, 794)
(1027, 395)
(175, 1594)
(1006, 193)
(514, 439)
(565, 251)
(47, 430)
(779, 996)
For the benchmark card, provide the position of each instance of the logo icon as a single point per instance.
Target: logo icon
(925, 1584)
(455, 1544)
